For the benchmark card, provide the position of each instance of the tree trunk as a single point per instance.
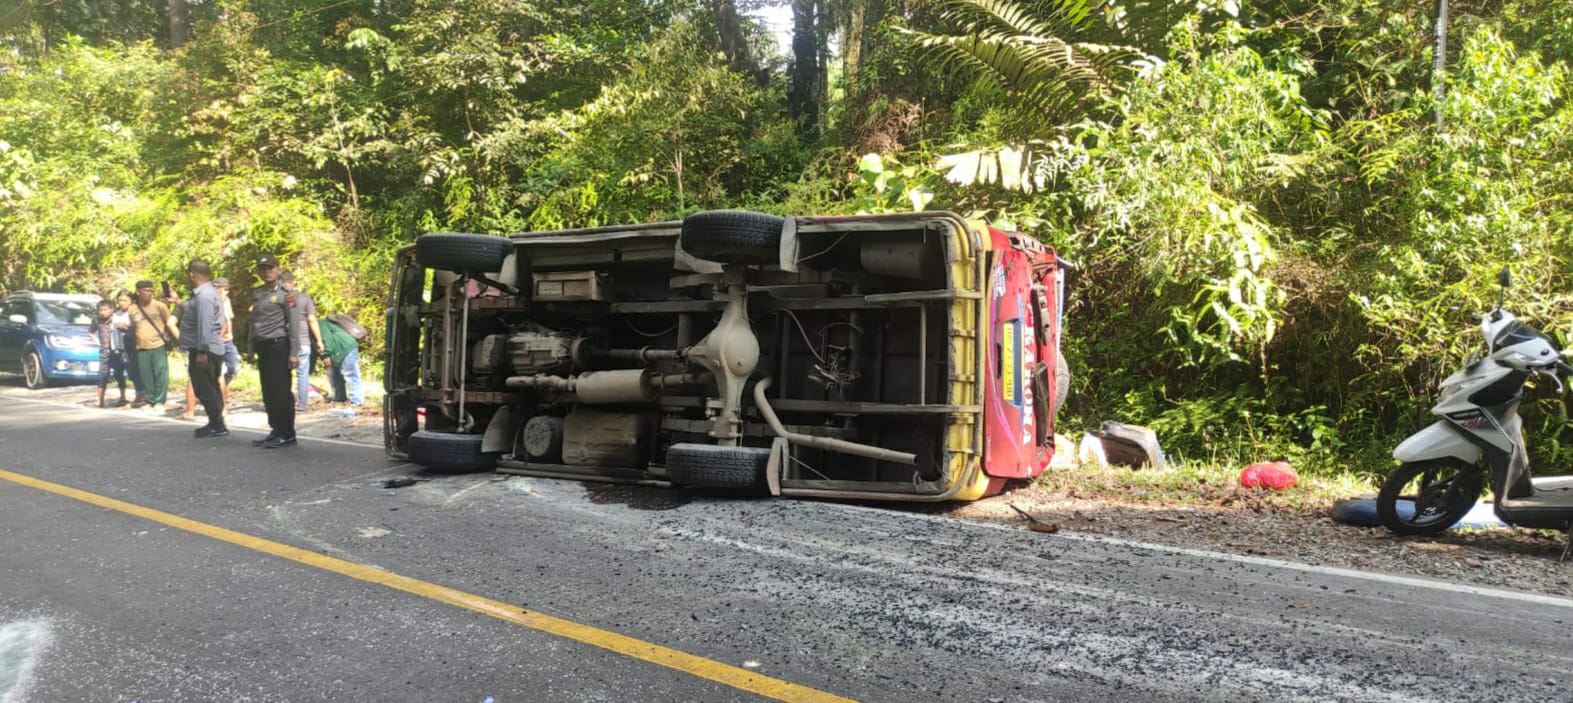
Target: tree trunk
(807, 66)
(825, 22)
(857, 40)
(178, 24)
(852, 44)
(349, 178)
(734, 42)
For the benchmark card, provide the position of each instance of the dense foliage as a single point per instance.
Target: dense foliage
(1281, 250)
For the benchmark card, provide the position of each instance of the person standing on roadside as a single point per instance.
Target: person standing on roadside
(202, 338)
(231, 352)
(122, 321)
(273, 340)
(180, 310)
(151, 320)
(309, 334)
(111, 351)
(231, 365)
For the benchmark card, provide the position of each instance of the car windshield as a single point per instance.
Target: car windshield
(65, 312)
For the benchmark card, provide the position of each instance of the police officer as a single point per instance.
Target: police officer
(274, 339)
(202, 338)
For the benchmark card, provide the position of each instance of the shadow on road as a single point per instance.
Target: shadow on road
(637, 497)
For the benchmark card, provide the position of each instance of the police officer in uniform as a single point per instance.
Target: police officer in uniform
(202, 338)
(274, 339)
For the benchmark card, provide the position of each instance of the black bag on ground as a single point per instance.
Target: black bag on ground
(349, 325)
(1130, 445)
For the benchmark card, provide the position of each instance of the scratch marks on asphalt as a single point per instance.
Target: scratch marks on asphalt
(1049, 628)
(21, 645)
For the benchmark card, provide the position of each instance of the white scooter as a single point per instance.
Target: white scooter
(1480, 435)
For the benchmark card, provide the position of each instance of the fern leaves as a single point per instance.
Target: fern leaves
(1027, 54)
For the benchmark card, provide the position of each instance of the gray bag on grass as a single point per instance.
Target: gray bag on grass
(1131, 445)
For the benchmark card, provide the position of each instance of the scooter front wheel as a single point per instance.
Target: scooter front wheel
(1425, 498)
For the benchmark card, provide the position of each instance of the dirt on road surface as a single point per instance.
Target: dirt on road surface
(1222, 518)
(1250, 525)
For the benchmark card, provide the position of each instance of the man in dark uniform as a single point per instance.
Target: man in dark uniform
(274, 340)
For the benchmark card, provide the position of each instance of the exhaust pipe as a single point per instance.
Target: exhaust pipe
(826, 443)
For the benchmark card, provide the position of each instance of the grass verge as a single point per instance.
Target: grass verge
(1197, 484)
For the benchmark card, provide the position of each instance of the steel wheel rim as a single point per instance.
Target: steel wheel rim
(32, 369)
(1435, 495)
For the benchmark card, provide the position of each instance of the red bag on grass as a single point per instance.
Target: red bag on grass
(1277, 475)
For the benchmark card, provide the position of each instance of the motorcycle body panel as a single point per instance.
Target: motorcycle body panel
(1438, 441)
(1469, 395)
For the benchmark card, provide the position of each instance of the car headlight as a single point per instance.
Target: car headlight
(61, 341)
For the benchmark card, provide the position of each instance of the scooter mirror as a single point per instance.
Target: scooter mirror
(1505, 278)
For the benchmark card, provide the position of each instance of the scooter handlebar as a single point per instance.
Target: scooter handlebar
(1565, 367)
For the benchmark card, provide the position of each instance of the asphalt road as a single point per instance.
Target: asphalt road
(857, 602)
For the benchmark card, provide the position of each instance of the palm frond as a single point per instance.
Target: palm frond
(1010, 17)
(1030, 54)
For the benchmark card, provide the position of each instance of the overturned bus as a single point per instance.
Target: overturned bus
(888, 357)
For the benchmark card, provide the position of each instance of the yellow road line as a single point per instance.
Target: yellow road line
(735, 677)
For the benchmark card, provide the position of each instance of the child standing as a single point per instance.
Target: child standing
(123, 325)
(111, 349)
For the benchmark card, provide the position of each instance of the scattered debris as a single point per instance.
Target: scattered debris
(1277, 475)
(1064, 453)
(1291, 526)
(1116, 443)
(1130, 445)
(1361, 512)
(1090, 452)
(1035, 524)
(401, 481)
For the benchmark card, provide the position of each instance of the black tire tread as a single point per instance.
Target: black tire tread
(713, 466)
(733, 236)
(1062, 383)
(457, 251)
(445, 452)
(43, 373)
(1387, 501)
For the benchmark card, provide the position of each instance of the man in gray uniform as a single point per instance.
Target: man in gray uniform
(274, 340)
(202, 338)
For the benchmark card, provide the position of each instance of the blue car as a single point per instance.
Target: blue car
(44, 337)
